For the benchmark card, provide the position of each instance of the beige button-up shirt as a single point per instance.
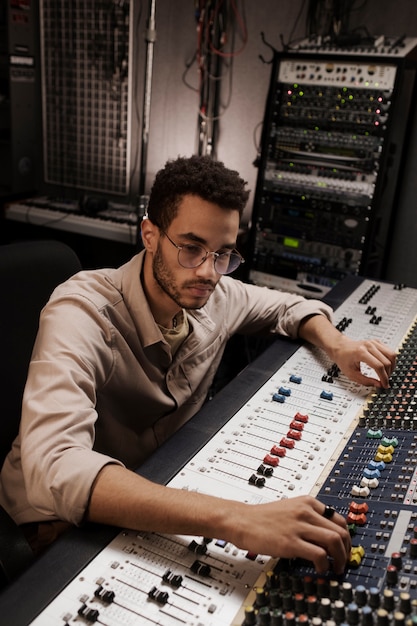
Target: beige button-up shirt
(103, 388)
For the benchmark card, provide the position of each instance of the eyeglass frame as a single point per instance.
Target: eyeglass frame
(208, 252)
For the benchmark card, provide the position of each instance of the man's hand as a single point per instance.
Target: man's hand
(348, 353)
(295, 528)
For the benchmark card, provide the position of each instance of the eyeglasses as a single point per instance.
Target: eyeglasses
(192, 255)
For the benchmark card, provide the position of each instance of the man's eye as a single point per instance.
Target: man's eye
(197, 250)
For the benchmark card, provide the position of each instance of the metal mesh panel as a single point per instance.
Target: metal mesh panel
(85, 93)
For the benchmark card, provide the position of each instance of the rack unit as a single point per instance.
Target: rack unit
(334, 140)
(19, 98)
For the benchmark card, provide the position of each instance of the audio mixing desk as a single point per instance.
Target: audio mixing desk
(116, 222)
(289, 424)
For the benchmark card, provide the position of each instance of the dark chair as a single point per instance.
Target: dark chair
(29, 272)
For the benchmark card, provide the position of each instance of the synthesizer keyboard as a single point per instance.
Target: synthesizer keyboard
(117, 222)
(305, 429)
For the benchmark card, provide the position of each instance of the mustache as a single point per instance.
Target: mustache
(200, 283)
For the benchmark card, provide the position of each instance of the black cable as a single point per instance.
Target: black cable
(135, 163)
(219, 22)
(331, 19)
(297, 19)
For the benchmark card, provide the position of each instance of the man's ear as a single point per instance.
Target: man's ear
(149, 234)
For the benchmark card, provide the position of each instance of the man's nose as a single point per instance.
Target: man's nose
(207, 268)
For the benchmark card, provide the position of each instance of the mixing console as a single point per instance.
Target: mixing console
(116, 222)
(307, 430)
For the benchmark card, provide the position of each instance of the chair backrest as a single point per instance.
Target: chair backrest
(29, 272)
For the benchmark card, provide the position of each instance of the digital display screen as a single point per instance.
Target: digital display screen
(290, 242)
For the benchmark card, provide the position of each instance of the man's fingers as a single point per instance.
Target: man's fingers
(329, 540)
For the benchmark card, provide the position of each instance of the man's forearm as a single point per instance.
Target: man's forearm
(319, 331)
(122, 498)
(291, 528)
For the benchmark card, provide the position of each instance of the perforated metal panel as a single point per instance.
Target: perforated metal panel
(86, 93)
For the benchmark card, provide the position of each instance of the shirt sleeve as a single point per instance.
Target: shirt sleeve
(72, 355)
(254, 309)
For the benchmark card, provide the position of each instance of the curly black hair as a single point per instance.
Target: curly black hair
(198, 175)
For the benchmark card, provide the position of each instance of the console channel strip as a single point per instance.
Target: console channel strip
(306, 430)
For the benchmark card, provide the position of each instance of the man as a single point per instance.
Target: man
(125, 356)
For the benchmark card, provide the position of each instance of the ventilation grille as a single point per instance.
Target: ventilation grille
(85, 94)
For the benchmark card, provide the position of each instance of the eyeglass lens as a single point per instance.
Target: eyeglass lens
(193, 256)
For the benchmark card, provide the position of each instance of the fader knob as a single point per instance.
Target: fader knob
(347, 593)
(405, 603)
(276, 617)
(367, 616)
(200, 568)
(284, 581)
(250, 616)
(289, 618)
(399, 618)
(396, 560)
(339, 611)
(288, 601)
(297, 584)
(309, 585)
(275, 601)
(261, 597)
(361, 595)
(374, 598)
(312, 606)
(325, 610)
(382, 618)
(392, 575)
(263, 616)
(334, 591)
(300, 603)
(352, 613)
(323, 588)
(389, 600)
(413, 548)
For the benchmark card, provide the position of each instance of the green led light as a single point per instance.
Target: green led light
(290, 242)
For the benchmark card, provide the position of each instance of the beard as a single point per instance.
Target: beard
(167, 282)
